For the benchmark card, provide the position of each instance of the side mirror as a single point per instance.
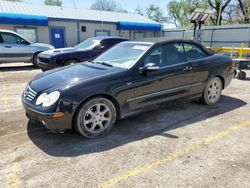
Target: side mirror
(150, 67)
(24, 42)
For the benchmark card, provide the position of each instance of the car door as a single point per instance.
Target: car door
(172, 81)
(16, 49)
(199, 61)
(2, 50)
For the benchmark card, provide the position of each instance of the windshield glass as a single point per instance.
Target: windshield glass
(88, 44)
(123, 55)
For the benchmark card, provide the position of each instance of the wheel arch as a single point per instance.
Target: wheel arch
(222, 80)
(104, 95)
(35, 54)
(68, 59)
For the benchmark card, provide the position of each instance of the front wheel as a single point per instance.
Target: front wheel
(96, 117)
(35, 59)
(212, 92)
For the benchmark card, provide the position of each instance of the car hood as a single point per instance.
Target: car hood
(62, 51)
(65, 77)
(42, 45)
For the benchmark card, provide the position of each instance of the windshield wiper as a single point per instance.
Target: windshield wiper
(104, 63)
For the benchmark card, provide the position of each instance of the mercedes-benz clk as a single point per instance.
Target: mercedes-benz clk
(129, 77)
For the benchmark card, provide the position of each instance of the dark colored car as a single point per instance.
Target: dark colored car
(84, 51)
(122, 81)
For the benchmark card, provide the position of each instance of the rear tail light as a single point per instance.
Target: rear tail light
(231, 65)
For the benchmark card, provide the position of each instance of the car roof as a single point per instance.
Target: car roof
(159, 41)
(109, 37)
(7, 31)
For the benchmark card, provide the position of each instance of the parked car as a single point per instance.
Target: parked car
(84, 51)
(15, 48)
(128, 78)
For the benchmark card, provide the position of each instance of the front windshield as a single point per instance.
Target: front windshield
(88, 44)
(123, 55)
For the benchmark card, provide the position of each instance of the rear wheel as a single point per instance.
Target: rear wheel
(212, 92)
(96, 117)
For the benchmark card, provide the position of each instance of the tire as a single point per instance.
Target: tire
(34, 61)
(242, 75)
(95, 118)
(71, 62)
(212, 92)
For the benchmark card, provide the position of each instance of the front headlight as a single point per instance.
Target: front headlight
(51, 47)
(48, 99)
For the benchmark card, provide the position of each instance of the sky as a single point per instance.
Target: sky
(129, 5)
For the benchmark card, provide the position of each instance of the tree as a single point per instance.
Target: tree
(139, 11)
(219, 6)
(155, 13)
(107, 5)
(179, 11)
(53, 2)
(244, 6)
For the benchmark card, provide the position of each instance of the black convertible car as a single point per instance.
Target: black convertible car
(129, 77)
(84, 51)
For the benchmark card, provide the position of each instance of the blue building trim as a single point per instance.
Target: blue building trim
(60, 27)
(80, 20)
(78, 32)
(137, 26)
(23, 19)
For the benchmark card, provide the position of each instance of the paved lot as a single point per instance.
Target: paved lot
(184, 145)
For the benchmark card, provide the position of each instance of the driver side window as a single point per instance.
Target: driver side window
(11, 39)
(167, 55)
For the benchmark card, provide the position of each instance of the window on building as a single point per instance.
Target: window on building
(124, 34)
(28, 33)
(102, 33)
(139, 35)
(83, 28)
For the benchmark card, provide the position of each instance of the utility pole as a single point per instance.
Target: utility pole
(74, 4)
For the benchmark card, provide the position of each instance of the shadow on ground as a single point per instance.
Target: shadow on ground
(139, 127)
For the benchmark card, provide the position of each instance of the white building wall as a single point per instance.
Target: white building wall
(92, 27)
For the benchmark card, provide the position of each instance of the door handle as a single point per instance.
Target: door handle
(8, 46)
(187, 68)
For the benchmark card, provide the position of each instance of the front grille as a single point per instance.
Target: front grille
(44, 60)
(29, 93)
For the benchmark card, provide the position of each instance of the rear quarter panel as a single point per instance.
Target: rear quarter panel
(223, 67)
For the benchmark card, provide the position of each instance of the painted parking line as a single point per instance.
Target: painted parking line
(14, 180)
(177, 154)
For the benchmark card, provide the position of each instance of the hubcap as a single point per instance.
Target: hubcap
(214, 91)
(97, 118)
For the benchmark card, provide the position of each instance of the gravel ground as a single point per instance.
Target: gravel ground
(181, 145)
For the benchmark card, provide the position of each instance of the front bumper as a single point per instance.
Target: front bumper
(46, 66)
(58, 124)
